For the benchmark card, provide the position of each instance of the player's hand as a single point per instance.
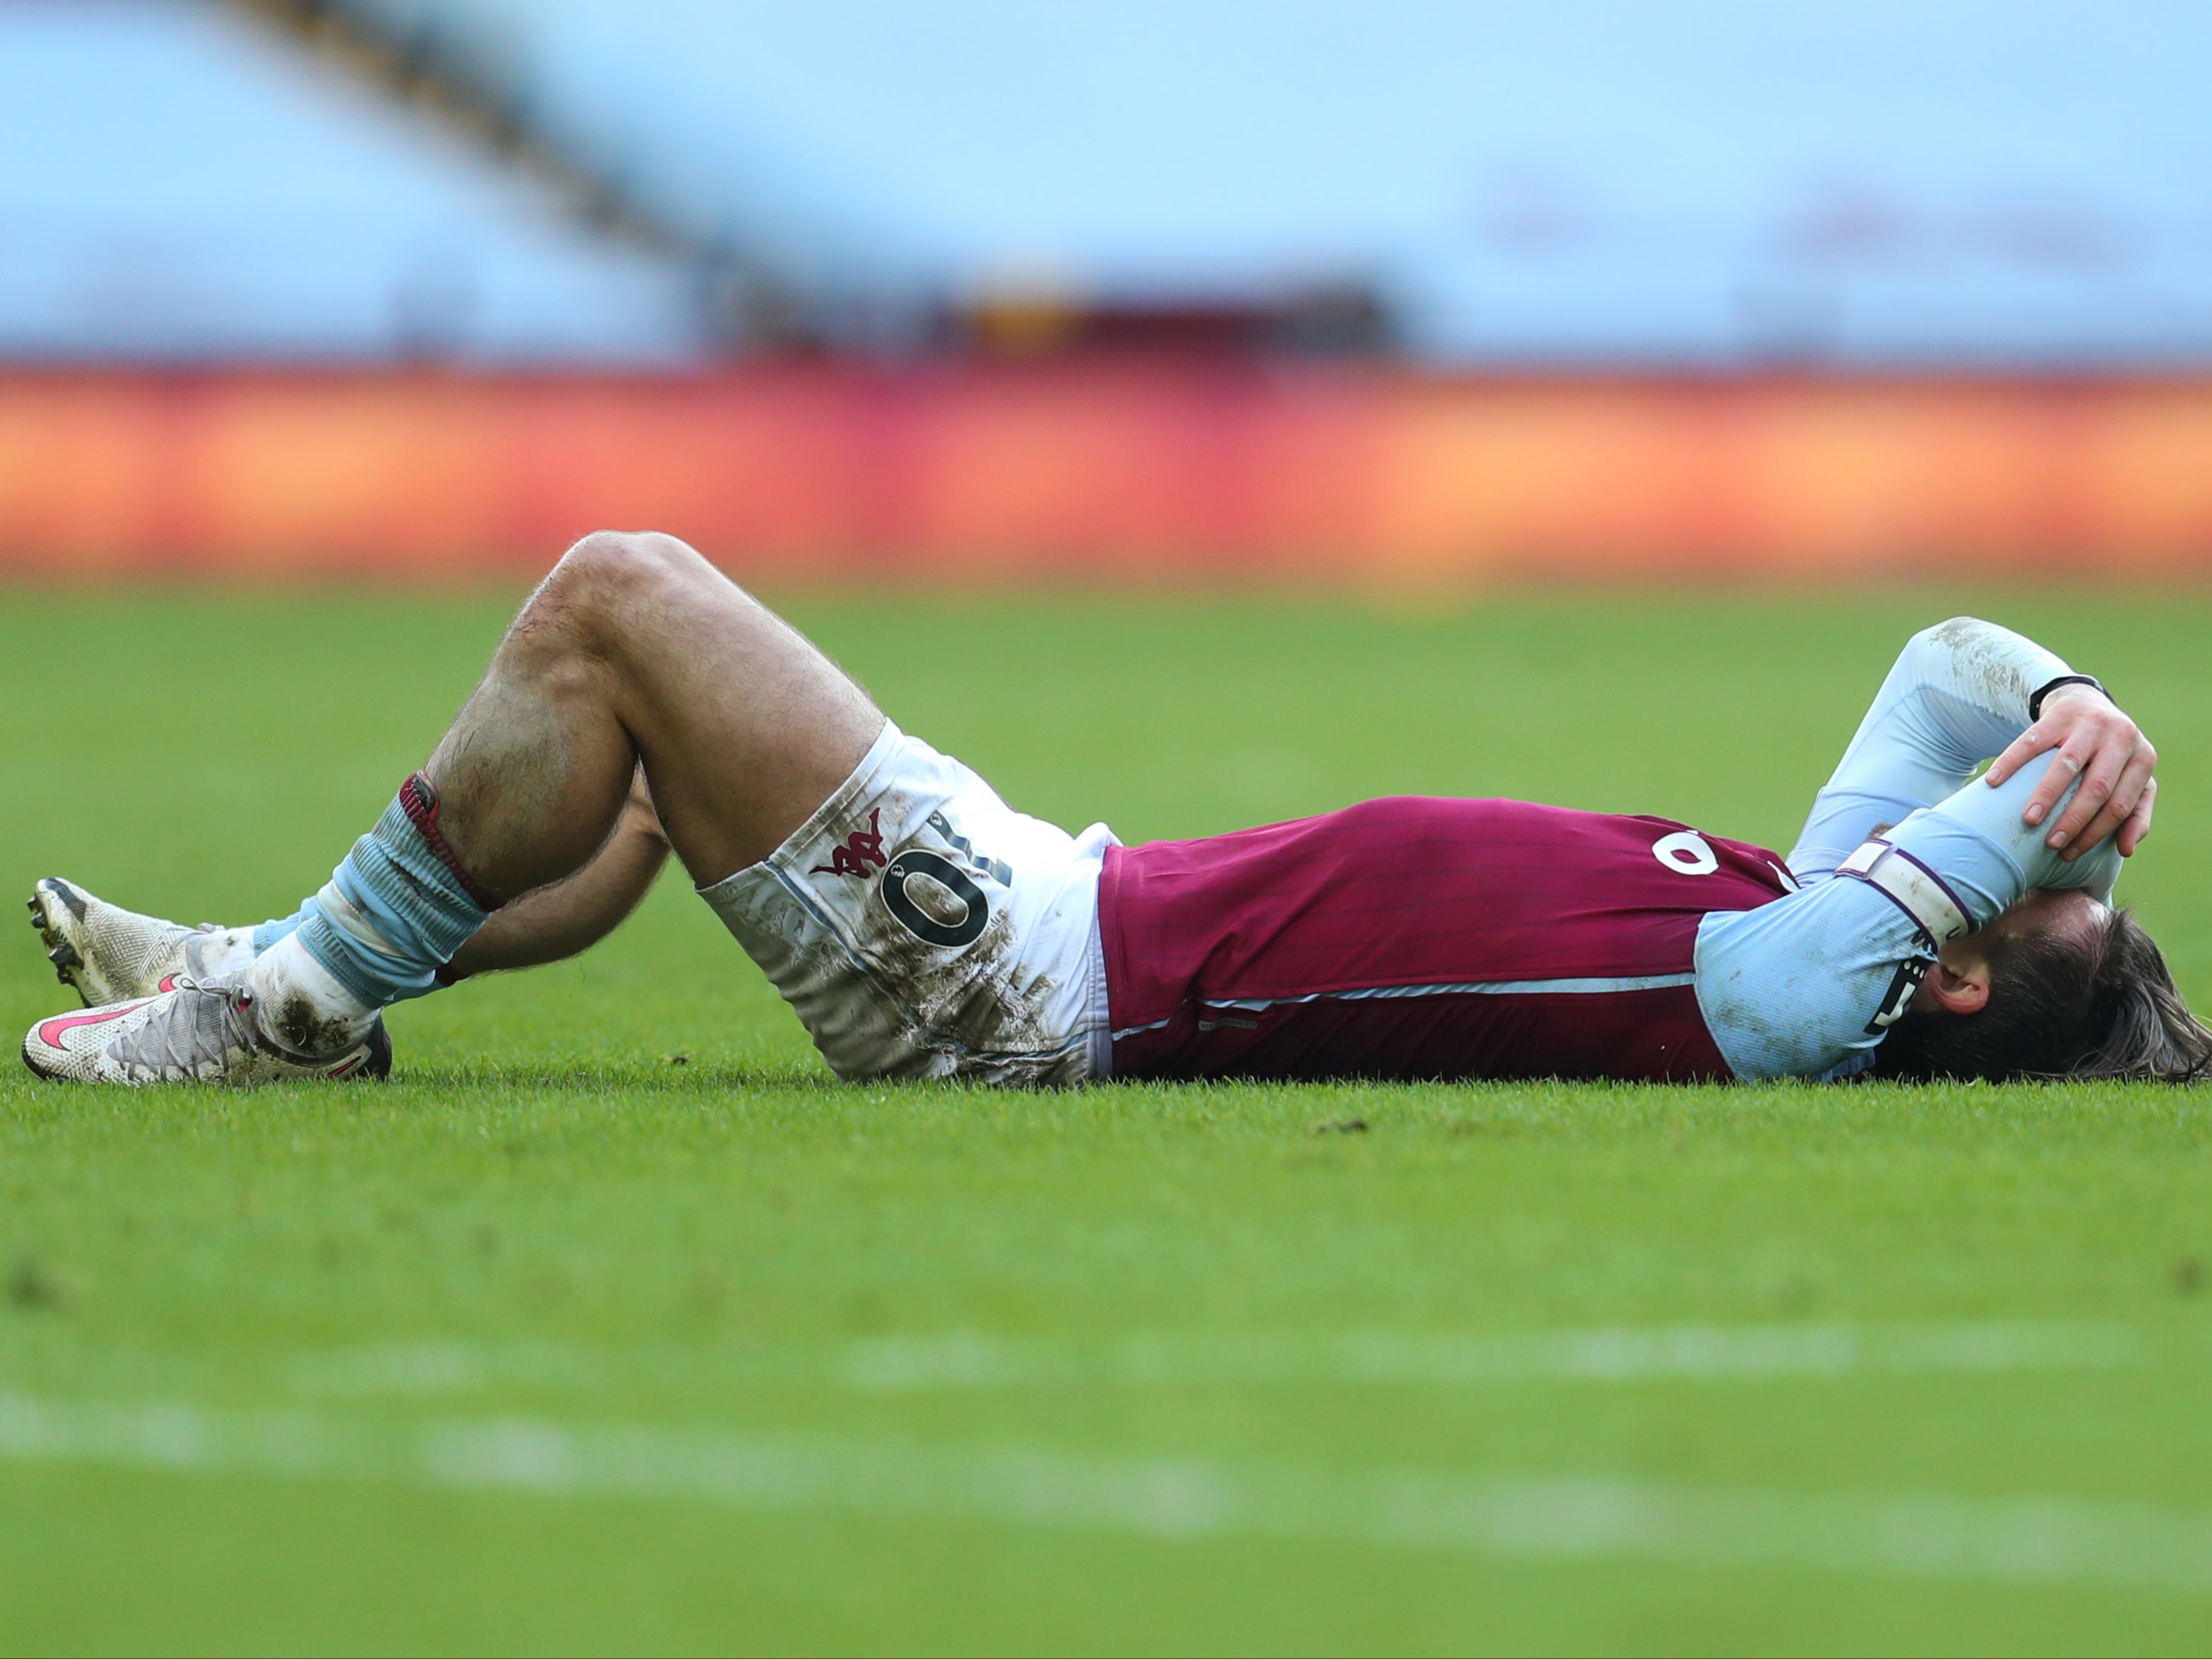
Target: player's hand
(2097, 743)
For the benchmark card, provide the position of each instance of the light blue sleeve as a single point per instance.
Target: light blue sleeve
(1793, 988)
(1957, 695)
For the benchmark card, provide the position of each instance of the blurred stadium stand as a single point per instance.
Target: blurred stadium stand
(1711, 184)
(178, 184)
(992, 288)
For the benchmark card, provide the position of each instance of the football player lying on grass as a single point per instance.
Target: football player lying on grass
(1928, 924)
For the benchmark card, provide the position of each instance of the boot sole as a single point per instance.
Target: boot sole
(50, 905)
(35, 1068)
(374, 1068)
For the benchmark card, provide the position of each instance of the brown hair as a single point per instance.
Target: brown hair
(2058, 1009)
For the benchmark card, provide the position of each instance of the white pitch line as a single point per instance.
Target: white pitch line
(1695, 1353)
(1687, 1353)
(2038, 1540)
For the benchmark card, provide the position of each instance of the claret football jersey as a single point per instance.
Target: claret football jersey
(1422, 937)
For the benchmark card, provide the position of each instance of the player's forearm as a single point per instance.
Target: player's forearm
(1958, 694)
(1975, 843)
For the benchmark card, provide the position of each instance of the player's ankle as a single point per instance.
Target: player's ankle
(300, 1005)
(220, 953)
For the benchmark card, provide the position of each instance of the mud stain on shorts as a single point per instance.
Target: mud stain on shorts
(971, 999)
(909, 924)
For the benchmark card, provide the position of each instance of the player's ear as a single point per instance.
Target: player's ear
(1959, 988)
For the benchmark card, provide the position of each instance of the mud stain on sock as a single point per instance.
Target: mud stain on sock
(296, 1024)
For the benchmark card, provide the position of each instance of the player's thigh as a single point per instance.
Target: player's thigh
(745, 727)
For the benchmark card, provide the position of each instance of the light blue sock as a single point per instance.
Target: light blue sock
(395, 911)
(270, 932)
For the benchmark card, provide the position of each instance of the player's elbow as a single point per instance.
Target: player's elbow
(1929, 653)
(1949, 636)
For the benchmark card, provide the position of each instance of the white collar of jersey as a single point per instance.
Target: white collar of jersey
(1918, 891)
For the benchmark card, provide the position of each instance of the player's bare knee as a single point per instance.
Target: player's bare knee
(611, 571)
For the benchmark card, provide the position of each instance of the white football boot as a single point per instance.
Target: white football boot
(190, 1033)
(109, 954)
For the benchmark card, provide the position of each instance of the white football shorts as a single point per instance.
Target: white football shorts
(921, 927)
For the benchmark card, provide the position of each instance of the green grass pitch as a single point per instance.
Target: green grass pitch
(555, 1342)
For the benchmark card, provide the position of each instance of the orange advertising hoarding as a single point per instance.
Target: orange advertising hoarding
(801, 473)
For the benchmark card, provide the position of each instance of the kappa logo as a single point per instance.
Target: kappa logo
(863, 850)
